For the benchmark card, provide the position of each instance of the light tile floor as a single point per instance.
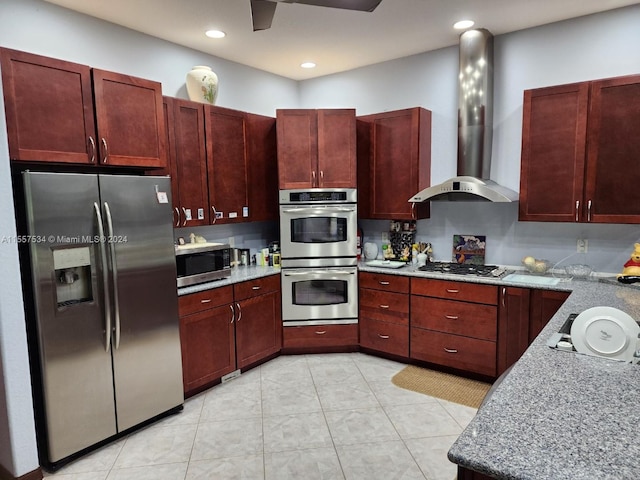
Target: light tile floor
(300, 417)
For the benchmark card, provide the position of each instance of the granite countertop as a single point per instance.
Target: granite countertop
(238, 274)
(561, 415)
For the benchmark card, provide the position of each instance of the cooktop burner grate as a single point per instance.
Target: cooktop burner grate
(459, 269)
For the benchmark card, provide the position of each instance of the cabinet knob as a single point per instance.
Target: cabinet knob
(106, 150)
(452, 290)
(205, 300)
(450, 350)
(256, 287)
(384, 337)
(92, 143)
(383, 283)
(452, 317)
(384, 306)
(321, 332)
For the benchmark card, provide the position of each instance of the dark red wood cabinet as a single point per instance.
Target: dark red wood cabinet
(187, 162)
(316, 148)
(579, 142)
(394, 163)
(62, 112)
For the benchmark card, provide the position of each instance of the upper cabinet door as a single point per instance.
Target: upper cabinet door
(129, 115)
(336, 149)
(612, 194)
(263, 168)
(553, 153)
(49, 109)
(398, 164)
(227, 164)
(297, 135)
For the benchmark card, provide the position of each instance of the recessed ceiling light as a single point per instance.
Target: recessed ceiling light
(462, 24)
(308, 65)
(215, 34)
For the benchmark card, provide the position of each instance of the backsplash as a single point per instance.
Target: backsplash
(508, 240)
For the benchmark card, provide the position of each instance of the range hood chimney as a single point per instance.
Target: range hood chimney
(475, 128)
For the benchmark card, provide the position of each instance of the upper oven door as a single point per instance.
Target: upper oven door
(312, 231)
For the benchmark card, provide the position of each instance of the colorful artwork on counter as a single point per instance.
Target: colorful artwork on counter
(469, 249)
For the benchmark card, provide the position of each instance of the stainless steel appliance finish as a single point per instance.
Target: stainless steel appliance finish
(319, 296)
(317, 224)
(105, 317)
(202, 262)
(475, 128)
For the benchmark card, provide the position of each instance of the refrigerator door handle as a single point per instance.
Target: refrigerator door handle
(105, 279)
(114, 269)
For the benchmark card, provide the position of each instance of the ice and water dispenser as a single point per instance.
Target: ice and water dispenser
(72, 268)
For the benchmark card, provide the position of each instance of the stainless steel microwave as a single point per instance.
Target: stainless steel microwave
(202, 262)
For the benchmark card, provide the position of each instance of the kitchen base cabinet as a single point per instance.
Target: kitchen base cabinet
(207, 337)
(228, 328)
(384, 313)
(258, 319)
(320, 338)
(523, 313)
(464, 474)
(454, 325)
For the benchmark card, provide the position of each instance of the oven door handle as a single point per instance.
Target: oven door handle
(318, 272)
(319, 210)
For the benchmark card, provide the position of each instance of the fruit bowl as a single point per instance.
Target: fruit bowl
(578, 271)
(536, 265)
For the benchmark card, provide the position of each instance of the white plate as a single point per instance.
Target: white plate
(605, 332)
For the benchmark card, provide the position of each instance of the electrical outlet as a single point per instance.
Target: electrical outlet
(582, 245)
(385, 237)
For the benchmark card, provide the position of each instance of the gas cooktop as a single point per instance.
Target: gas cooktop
(463, 269)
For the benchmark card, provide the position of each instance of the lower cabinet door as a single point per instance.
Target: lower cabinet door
(455, 351)
(258, 328)
(384, 337)
(208, 346)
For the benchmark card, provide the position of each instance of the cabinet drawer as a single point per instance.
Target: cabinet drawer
(384, 336)
(197, 302)
(380, 281)
(251, 288)
(468, 292)
(320, 336)
(455, 351)
(385, 306)
(461, 318)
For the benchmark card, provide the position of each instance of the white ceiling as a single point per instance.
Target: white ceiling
(335, 39)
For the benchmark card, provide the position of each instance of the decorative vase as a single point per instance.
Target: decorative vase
(202, 85)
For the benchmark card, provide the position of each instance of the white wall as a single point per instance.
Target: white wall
(596, 46)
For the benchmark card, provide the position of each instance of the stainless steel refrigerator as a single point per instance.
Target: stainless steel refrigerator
(104, 325)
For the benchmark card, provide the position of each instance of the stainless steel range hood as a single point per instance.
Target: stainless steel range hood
(475, 128)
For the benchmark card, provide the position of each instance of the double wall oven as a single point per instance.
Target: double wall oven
(318, 229)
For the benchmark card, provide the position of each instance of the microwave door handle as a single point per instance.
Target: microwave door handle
(112, 251)
(105, 279)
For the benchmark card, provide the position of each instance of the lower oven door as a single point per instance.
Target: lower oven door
(314, 296)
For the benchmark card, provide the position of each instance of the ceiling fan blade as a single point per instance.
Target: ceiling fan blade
(360, 5)
(262, 12)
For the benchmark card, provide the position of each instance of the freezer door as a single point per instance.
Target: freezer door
(70, 326)
(146, 341)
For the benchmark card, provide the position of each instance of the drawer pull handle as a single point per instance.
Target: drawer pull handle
(384, 337)
(383, 283)
(450, 350)
(452, 290)
(256, 288)
(384, 306)
(321, 332)
(206, 300)
(452, 317)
